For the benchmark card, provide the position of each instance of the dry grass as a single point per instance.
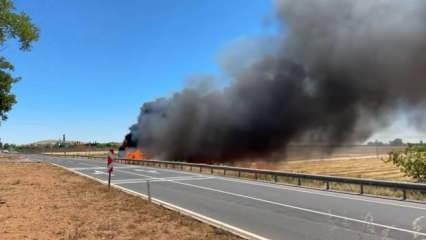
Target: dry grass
(39, 201)
(372, 168)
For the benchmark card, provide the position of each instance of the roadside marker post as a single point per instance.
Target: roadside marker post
(148, 190)
(110, 167)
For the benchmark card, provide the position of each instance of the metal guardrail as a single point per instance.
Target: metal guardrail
(274, 176)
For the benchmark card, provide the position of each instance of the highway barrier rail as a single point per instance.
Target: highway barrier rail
(370, 187)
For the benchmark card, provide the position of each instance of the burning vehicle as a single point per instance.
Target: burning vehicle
(130, 150)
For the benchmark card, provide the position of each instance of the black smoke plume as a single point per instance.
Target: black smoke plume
(341, 69)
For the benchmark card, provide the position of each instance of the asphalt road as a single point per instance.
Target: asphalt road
(267, 210)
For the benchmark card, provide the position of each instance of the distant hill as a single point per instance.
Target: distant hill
(52, 142)
(44, 142)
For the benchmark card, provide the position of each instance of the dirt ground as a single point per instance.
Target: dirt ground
(40, 201)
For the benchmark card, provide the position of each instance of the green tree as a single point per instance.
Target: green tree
(17, 26)
(396, 142)
(411, 161)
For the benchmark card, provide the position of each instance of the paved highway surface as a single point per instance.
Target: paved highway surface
(267, 210)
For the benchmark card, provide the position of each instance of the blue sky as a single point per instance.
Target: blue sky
(97, 61)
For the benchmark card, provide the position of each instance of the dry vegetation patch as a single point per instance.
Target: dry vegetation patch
(373, 168)
(40, 201)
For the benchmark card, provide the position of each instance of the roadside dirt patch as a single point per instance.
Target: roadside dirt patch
(40, 201)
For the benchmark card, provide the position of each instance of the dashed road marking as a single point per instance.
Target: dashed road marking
(96, 172)
(148, 171)
(160, 180)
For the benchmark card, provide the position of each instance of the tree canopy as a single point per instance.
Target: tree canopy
(13, 25)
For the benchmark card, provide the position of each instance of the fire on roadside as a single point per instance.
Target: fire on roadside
(135, 154)
(130, 150)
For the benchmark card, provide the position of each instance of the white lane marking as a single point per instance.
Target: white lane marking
(169, 178)
(130, 179)
(96, 172)
(304, 209)
(214, 222)
(161, 180)
(148, 171)
(176, 171)
(289, 188)
(149, 176)
(154, 178)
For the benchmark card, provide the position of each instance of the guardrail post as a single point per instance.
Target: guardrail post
(299, 181)
(239, 174)
(404, 194)
(361, 189)
(255, 175)
(275, 178)
(327, 185)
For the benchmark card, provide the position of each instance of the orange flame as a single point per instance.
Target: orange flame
(135, 154)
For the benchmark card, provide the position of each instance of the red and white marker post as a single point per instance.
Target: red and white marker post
(110, 167)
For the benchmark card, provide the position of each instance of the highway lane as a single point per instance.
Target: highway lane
(267, 210)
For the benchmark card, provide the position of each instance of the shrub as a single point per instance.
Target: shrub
(411, 161)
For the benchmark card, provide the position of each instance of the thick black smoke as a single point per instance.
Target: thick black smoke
(342, 67)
